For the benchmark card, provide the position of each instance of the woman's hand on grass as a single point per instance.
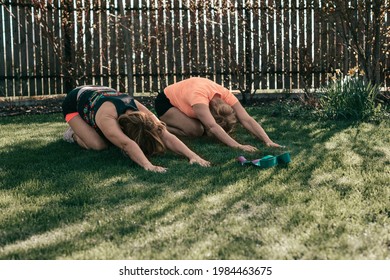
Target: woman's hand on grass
(247, 148)
(273, 145)
(155, 168)
(197, 159)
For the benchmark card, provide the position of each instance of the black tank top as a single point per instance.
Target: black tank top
(91, 98)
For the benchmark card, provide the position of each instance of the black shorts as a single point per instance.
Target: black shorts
(70, 103)
(162, 104)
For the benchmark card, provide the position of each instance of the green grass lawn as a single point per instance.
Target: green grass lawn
(331, 202)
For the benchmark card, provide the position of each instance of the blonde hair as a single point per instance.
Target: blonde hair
(144, 130)
(223, 114)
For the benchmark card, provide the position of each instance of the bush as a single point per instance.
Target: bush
(350, 98)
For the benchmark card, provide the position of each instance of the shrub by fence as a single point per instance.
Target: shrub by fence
(48, 47)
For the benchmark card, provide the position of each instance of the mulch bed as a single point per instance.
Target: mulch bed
(30, 108)
(50, 105)
(46, 106)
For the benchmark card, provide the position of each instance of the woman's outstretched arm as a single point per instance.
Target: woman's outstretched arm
(173, 143)
(106, 119)
(252, 125)
(177, 146)
(203, 114)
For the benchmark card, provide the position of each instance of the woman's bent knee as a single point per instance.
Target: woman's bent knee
(196, 130)
(98, 145)
(91, 144)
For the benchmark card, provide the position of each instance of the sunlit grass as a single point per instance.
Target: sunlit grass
(332, 202)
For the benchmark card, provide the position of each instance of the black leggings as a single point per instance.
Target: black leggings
(162, 104)
(70, 103)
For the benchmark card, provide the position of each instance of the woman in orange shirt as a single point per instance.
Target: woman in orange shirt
(198, 106)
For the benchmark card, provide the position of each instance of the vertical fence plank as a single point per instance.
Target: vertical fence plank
(120, 61)
(294, 44)
(301, 45)
(8, 51)
(193, 38)
(178, 37)
(256, 45)
(30, 49)
(233, 46)
(113, 31)
(72, 22)
(16, 48)
(129, 48)
(137, 45)
(316, 42)
(248, 54)
(145, 22)
(161, 44)
(46, 52)
(38, 52)
(324, 43)
(88, 25)
(186, 39)
(97, 42)
(309, 44)
(387, 54)
(153, 46)
(3, 92)
(202, 37)
(23, 25)
(353, 59)
(240, 36)
(102, 33)
(51, 54)
(332, 47)
(217, 51)
(286, 45)
(171, 57)
(271, 43)
(263, 45)
(104, 43)
(222, 57)
(210, 39)
(79, 68)
(279, 44)
(57, 31)
(120, 47)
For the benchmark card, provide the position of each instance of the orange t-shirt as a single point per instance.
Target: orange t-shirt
(185, 94)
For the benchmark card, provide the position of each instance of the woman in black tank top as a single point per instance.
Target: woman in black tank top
(98, 115)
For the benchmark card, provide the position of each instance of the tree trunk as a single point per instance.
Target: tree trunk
(68, 27)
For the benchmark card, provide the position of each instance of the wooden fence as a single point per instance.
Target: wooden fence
(140, 46)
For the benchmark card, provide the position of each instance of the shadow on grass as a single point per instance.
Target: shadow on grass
(28, 119)
(59, 186)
